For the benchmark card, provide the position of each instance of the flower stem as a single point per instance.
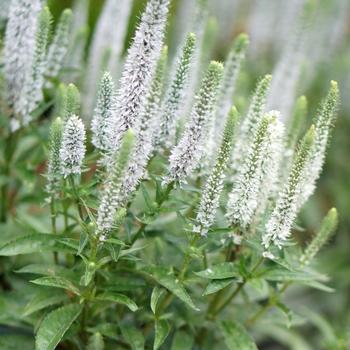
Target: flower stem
(162, 200)
(74, 188)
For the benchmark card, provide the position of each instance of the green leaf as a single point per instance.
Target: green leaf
(58, 282)
(54, 325)
(146, 219)
(257, 284)
(150, 205)
(169, 281)
(162, 330)
(115, 241)
(131, 250)
(34, 243)
(286, 310)
(220, 271)
(156, 293)
(70, 242)
(281, 275)
(50, 270)
(107, 329)
(114, 251)
(96, 342)
(182, 341)
(216, 285)
(118, 298)
(44, 299)
(317, 285)
(134, 337)
(236, 336)
(283, 263)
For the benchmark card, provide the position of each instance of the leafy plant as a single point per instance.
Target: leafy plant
(168, 223)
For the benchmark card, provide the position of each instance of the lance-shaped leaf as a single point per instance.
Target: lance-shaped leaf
(55, 325)
(162, 330)
(169, 281)
(118, 298)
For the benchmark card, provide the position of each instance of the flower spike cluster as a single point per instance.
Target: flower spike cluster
(111, 198)
(139, 68)
(145, 128)
(175, 95)
(59, 46)
(285, 211)
(19, 45)
(186, 155)
(256, 109)
(73, 149)
(324, 233)
(54, 164)
(257, 172)
(211, 195)
(323, 128)
(102, 119)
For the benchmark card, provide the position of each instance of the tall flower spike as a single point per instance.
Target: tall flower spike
(59, 46)
(323, 128)
(288, 69)
(34, 80)
(73, 101)
(145, 127)
(173, 104)
(324, 233)
(103, 38)
(253, 174)
(211, 195)
(295, 126)
(256, 109)
(185, 156)
(110, 198)
(73, 149)
(60, 106)
(54, 164)
(19, 45)
(139, 67)
(271, 164)
(102, 120)
(229, 78)
(285, 211)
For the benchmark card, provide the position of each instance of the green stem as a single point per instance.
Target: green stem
(180, 277)
(238, 289)
(267, 306)
(74, 188)
(53, 225)
(143, 226)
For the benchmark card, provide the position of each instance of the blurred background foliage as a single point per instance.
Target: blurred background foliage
(327, 57)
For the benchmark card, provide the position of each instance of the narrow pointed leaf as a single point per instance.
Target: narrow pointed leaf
(44, 299)
(50, 270)
(58, 282)
(286, 310)
(162, 331)
(134, 337)
(169, 281)
(54, 326)
(34, 243)
(156, 293)
(236, 337)
(216, 285)
(118, 298)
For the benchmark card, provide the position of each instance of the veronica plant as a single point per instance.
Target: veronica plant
(165, 224)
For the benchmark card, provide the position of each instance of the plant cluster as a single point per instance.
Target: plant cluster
(171, 214)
